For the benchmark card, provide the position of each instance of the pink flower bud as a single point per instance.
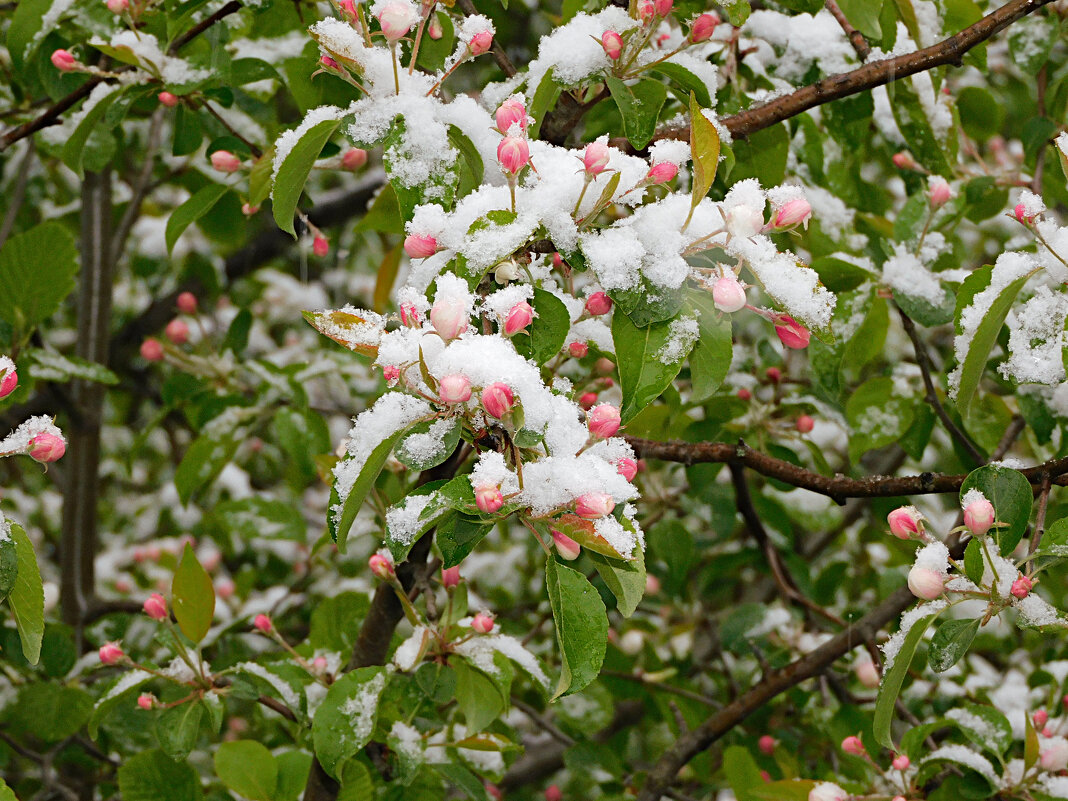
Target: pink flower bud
(662, 172)
(552, 793)
(744, 394)
(728, 294)
(320, 245)
(805, 424)
(628, 468)
(482, 623)
(187, 303)
(224, 588)
(767, 744)
(47, 447)
(519, 317)
(1020, 213)
(319, 664)
(598, 303)
(262, 624)
(938, 191)
(603, 421)
(853, 745)
(587, 400)
(827, 791)
(513, 154)
(791, 333)
(248, 209)
(565, 546)
(328, 63)
(63, 61)
(663, 7)
(455, 388)
(497, 400)
(480, 43)
(449, 318)
(901, 762)
(979, 516)
(488, 498)
(151, 350)
(391, 373)
(167, 99)
(146, 701)
(578, 349)
(434, 29)
(225, 161)
(612, 43)
(905, 522)
(494, 791)
(646, 10)
(1054, 757)
(118, 6)
(867, 674)
(348, 9)
(155, 606)
(926, 583)
(594, 505)
(396, 20)
(177, 331)
(450, 577)
(509, 113)
(1021, 588)
(652, 584)
(774, 374)
(1041, 718)
(595, 158)
(703, 27)
(110, 653)
(420, 246)
(8, 382)
(904, 161)
(381, 566)
(354, 158)
(793, 212)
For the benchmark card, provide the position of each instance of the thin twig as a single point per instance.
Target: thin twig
(671, 689)
(856, 38)
(542, 722)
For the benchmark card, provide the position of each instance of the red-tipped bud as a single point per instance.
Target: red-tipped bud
(354, 158)
(248, 209)
(63, 61)
(703, 27)
(587, 400)
(225, 161)
(628, 468)
(901, 762)
(118, 7)
(565, 546)
(744, 394)
(867, 674)
(328, 63)
(410, 317)
(552, 793)
(646, 10)
(926, 583)
(156, 606)
(151, 350)
(663, 7)
(1054, 757)
(146, 701)
(905, 522)
(938, 192)
(853, 745)
(480, 43)
(595, 158)
(262, 624)
(513, 154)
(396, 19)
(9, 382)
(187, 303)
(348, 9)
(598, 303)
(1040, 718)
(1021, 588)
(320, 245)
(979, 516)
(482, 623)
(455, 388)
(511, 112)
(177, 331)
(728, 294)
(381, 566)
(662, 172)
(594, 505)
(603, 421)
(904, 161)
(168, 99)
(578, 349)
(449, 318)
(519, 317)
(450, 576)
(767, 744)
(488, 498)
(792, 213)
(791, 333)
(391, 373)
(612, 43)
(774, 375)
(434, 29)
(420, 246)
(110, 653)
(805, 424)
(497, 400)
(47, 447)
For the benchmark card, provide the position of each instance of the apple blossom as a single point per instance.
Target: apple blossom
(454, 388)
(805, 424)
(513, 154)
(1021, 588)
(110, 653)
(186, 303)
(901, 762)
(482, 623)
(488, 498)
(320, 245)
(381, 566)
(603, 421)
(262, 624)
(225, 161)
(938, 191)
(519, 317)
(979, 516)
(63, 61)
(628, 468)
(766, 744)
(497, 399)
(511, 112)
(791, 333)
(905, 522)
(853, 745)
(703, 27)
(354, 158)
(595, 158)
(146, 701)
(396, 19)
(155, 606)
(450, 576)
(926, 583)
(177, 331)
(167, 99)
(662, 172)
(47, 447)
(594, 505)
(827, 791)
(480, 43)
(449, 317)
(612, 43)
(565, 546)
(578, 349)
(728, 294)
(9, 382)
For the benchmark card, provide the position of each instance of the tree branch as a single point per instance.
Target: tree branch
(856, 38)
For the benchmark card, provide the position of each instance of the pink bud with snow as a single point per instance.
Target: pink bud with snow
(552, 793)
(612, 43)
(248, 209)
(904, 161)
(513, 154)
(225, 161)
(767, 744)
(262, 624)
(187, 303)
(449, 318)
(348, 8)
(177, 331)
(867, 674)
(595, 158)
(587, 400)
(63, 61)
(793, 212)
(381, 566)
(519, 317)
(565, 546)
(938, 191)
(1054, 757)
(979, 516)
(450, 576)
(663, 7)
(410, 316)
(703, 27)
(420, 246)
(118, 7)
(155, 606)
(646, 10)
(827, 791)
(598, 303)
(47, 447)
(480, 43)
(791, 333)
(167, 99)
(488, 498)
(901, 762)
(454, 388)
(1021, 215)
(926, 583)
(728, 294)
(320, 245)
(853, 745)
(391, 373)
(509, 113)
(1040, 718)
(110, 653)
(354, 158)
(1021, 588)
(9, 382)
(805, 424)
(628, 468)
(578, 349)
(396, 20)
(603, 421)
(146, 701)
(662, 172)
(905, 522)
(434, 29)
(594, 505)
(482, 623)
(497, 399)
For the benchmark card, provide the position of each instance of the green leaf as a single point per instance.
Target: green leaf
(356, 783)
(686, 81)
(51, 712)
(75, 144)
(193, 596)
(421, 450)
(991, 731)
(9, 565)
(704, 152)
(384, 214)
(177, 729)
(479, 697)
(153, 776)
(1030, 743)
(914, 125)
(463, 779)
(47, 365)
(877, 416)
(785, 790)
(259, 178)
(950, 642)
(457, 536)
(470, 179)
(985, 334)
(864, 15)
(203, 461)
(335, 621)
(37, 270)
(293, 172)
(26, 23)
(6, 793)
(626, 579)
(293, 769)
(345, 720)
(737, 11)
(548, 331)
(247, 768)
(973, 562)
(581, 626)
(1010, 493)
(255, 517)
(894, 678)
(761, 156)
(641, 353)
(639, 105)
(27, 597)
(544, 99)
(121, 691)
(981, 115)
(710, 359)
(202, 201)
